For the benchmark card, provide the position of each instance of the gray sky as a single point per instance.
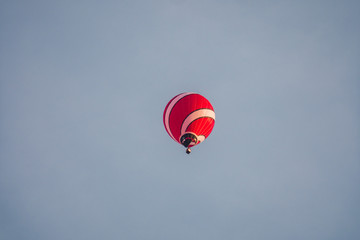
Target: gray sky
(83, 151)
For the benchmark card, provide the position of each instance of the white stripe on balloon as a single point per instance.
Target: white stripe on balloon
(195, 115)
(201, 138)
(168, 111)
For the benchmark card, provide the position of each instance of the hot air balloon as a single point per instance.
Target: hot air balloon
(189, 119)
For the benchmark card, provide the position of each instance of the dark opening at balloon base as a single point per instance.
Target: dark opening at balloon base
(188, 138)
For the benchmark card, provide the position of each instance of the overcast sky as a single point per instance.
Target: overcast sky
(84, 153)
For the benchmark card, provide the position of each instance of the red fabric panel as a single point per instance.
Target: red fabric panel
(201, 126)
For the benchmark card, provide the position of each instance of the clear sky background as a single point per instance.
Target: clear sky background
(83, 150)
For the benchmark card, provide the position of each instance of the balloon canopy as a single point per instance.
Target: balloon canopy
(189, 119)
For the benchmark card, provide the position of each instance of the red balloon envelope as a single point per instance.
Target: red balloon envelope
(189, 118)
